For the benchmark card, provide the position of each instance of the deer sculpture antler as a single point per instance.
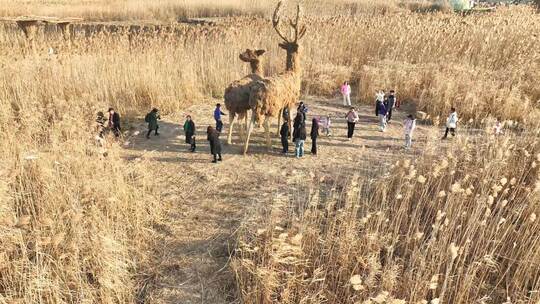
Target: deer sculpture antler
(299, 32)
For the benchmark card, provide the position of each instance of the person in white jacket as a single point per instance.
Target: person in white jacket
(451, 123)
(409, 125)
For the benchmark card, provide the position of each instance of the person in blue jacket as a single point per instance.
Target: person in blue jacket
(217, 116)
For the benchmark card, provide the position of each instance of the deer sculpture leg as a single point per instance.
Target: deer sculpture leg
(232, 120)
(279, 121)
(267, 132)
(242, 124)
(289, 121)
(246, 122)
(249, 130)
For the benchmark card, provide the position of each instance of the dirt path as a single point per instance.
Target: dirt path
(207, 202)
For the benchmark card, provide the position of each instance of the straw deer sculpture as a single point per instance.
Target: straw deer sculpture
(237, 93)
(270, 96)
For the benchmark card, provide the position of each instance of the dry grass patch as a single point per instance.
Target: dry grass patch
(75, 226)
(488, 65)
(456, 229)
(477, 93)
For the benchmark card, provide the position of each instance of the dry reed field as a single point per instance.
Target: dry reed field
(488, 60)
(461, 228)
(171, 10)
(80, 223)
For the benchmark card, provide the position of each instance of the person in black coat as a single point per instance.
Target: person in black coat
(302, 108)
(300, 137)
(314, 134)
(114, 122)
(215, 144)
(390, 104)
(285, 133)
(298, 122)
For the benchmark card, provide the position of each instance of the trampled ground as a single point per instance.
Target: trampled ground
(207, 201)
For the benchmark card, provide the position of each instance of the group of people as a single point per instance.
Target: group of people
(299, 134)
(212, 135)
(384, 105)
(113, 125)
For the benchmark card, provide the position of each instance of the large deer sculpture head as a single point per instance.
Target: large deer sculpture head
(289, 44)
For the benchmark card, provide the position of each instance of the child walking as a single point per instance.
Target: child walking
(326, 123)
(409, 125)
(193, 144)
(379, 97)
(451, 123)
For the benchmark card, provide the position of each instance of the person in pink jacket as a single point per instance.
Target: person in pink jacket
(346, 92)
